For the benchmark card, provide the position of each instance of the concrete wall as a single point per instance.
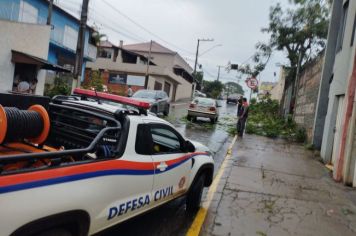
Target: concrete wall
(184, 90)
(327, 74)
(277, 91)
(28, 38)
(307, 96)
(342, 70)
(353, 154)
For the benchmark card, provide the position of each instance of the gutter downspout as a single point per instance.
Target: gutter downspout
(350, 95)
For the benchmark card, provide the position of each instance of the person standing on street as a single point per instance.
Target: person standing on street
(243, 117)
(239, 113)
(129, 91)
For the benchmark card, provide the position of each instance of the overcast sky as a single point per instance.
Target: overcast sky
(177, 24)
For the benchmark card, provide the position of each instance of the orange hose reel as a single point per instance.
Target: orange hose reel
(37, 140)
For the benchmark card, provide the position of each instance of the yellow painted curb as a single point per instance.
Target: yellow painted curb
(199, 219)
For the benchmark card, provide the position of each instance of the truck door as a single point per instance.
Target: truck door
(172, 164)
(129, 191)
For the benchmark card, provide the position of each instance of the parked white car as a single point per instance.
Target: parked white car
(203, 107)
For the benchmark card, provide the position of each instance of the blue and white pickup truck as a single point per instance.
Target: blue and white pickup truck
(103, 160)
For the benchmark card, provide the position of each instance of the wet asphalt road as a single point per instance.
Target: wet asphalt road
(171, 218)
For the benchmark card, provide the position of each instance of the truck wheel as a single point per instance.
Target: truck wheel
(189, 118)
(166, 111)
(194, 195)
(213, 120)
(56, 232)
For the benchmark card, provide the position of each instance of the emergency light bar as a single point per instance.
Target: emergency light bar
(112, 97)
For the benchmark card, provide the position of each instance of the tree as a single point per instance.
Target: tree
(300, 32)
(232, 87)
(95, 81)
(61, 86)
(212, 88)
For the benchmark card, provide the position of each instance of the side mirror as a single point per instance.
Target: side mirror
(189, 147)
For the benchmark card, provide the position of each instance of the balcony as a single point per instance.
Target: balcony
(90, 52)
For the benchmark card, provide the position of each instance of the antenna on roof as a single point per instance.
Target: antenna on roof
(96, 96)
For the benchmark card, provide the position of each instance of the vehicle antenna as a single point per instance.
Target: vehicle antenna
(97, 97)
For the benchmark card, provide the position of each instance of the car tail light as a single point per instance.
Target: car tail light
(212, 109)
(192, 105)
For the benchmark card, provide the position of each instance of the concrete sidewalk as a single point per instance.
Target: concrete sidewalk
(272, 187)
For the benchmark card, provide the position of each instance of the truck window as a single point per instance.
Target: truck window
(165, 141)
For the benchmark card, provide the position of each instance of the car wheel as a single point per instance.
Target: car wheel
(166, 110)
(154, 110)
(56, 232)
(195, 194)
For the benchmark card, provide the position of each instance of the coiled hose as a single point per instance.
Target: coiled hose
(32, 124)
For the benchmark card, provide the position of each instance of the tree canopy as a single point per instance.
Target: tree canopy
(212, 88)
(232, 87)
(300, 32)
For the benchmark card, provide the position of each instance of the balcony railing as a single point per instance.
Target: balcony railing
(91, 51)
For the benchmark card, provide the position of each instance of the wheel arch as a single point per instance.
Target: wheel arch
(76, 221)
(207, 169)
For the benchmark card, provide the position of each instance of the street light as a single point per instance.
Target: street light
(196, 62)
(217, 45)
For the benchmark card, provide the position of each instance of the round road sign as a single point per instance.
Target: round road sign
(252, 83)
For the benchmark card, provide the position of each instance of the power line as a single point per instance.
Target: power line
(143, 28)
(127, 32)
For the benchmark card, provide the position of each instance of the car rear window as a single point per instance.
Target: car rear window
(204, 102)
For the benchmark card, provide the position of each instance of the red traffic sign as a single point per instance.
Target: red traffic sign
(252, 83)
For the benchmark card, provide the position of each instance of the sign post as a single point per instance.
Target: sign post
(252, 83)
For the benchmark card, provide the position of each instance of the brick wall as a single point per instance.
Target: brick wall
(307, 96)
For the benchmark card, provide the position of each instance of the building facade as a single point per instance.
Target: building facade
(178, 73)
(63, 31)
(336, 103)
(120, 67)
(28, 33)
(277, 90)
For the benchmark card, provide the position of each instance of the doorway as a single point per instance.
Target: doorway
(337, 129)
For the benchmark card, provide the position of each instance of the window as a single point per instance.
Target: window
(70, 37)
(141, 138)
(157, 86)
(28, 13)
(341, 32)
(105, 53)
(165, 141)
(117, 78)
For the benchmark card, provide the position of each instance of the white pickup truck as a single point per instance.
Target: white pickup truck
(103, 160)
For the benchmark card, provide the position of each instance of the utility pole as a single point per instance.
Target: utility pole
(50, 8)
(81, 42)
(196, 59)
(148, 66)
(219, 72)
(196, 63)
